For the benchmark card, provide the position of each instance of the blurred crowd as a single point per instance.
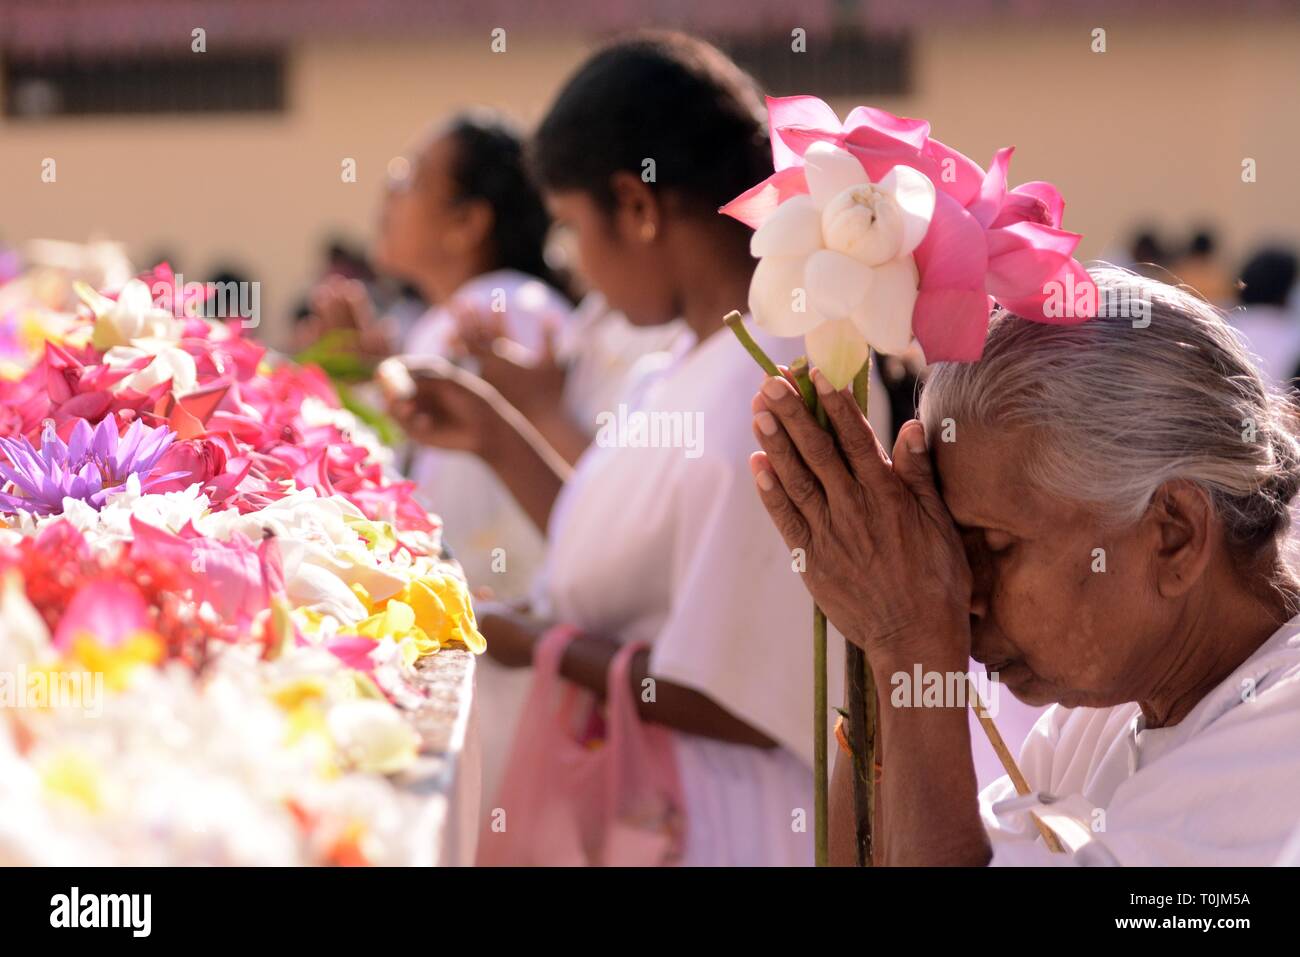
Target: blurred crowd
(1258, 294)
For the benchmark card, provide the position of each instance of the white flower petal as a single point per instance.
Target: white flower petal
(837, 283)
(795, 229)
(313, 587)
(884, 316)
(135, 298)
(373, 736)
(914, 194)
(831, 170)
(864, 223)
(24, 637)
(838, 349)
(169, 363)
(778, 296)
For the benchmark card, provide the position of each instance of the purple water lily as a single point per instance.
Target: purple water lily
(91, 464)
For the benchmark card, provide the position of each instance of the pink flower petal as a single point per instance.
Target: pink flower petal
(354, 651)
(951, 324)
(953, 172)
(756, 204)
(911, 131)
(954, 253)
(229, 575)
(1067, 298)
(805, 111)
(1037, 202)
(1025, 255)
(986, 206)
(799, 138)
(107, 611)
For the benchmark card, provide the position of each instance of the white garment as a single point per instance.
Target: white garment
(491, 536)
(1272, 334)
(1290, 856)
(648, 544)
(604, 355)
(1221, 787)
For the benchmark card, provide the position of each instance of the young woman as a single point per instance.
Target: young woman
(464, 224)
(664, 544)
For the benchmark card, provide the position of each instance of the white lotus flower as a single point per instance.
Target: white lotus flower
(169, 362)
(835, 264)
(129, 319)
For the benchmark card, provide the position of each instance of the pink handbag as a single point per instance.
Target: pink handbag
(585, 788)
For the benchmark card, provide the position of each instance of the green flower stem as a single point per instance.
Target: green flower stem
(821, 792)
(859, 685)
(737, 325)
(821, 759)
(799, 369)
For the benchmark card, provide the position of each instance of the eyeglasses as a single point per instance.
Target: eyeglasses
(400, 176)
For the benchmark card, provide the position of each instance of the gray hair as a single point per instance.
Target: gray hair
(1115, 407)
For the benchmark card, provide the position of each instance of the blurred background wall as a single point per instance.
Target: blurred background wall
(1152, 132)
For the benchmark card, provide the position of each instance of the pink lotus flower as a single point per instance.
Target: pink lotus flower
(190, 462)
(985, 243)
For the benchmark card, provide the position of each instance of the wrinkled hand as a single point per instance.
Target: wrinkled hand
(451, 408)
(884, 560)
(534, 384)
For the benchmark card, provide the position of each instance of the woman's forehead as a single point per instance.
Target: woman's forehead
(981, 476)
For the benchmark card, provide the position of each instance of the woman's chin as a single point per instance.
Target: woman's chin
(1025, 686)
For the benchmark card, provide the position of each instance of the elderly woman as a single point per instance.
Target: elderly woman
(1097, 513)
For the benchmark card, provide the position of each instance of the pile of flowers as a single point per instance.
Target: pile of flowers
(212, 598)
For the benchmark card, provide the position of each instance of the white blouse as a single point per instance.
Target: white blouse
(1221, 787)
(669, 544)
(492, 537)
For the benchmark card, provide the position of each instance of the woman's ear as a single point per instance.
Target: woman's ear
(638, 213)
(1184, 530)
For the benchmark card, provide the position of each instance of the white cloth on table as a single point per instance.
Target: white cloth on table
(650, 544)
(1218, 788)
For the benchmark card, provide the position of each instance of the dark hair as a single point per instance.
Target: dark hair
(1203, 243)
(1146, 248)
(665, 97)
(1267, 277)
(488, 164)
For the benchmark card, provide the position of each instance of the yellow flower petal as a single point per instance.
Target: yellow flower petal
(395, 621)
(293, 694)
(73, 776)
(117, 663)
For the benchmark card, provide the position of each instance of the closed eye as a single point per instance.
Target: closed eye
(997, 542)
(994, 541)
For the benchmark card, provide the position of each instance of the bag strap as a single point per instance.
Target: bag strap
(550, 649)
(547, 658)
(620, 699)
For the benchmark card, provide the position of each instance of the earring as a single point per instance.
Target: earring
(648, 231)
